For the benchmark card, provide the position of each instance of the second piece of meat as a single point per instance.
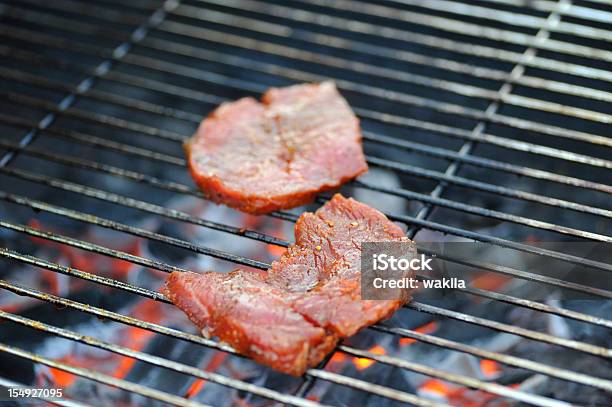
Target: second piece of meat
(290, 316)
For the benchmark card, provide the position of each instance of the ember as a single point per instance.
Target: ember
(490, 368)
(434, 388)
(428, 328)
(216, 361)
(364, 363)
(60, 378)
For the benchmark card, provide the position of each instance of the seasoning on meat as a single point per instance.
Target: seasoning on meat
(277, 154)
(290, 316)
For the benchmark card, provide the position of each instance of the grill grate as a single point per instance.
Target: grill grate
(481, 96)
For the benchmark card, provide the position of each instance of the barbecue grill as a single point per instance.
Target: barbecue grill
(485, 121)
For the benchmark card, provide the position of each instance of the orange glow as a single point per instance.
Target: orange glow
(124, 367)
(424, 329)
(252, 221)
(194, 388)
(364, 363)
(212, 366)
(338, 357)
(275, 250)
(120, 268)
(51, 280)
(83, 260)
(460, 396)
(491, 281)
(35, 224)
(14, 307)
(136, 338)
(434, 386)
(150, 311)
(489, 367)
(62, 379)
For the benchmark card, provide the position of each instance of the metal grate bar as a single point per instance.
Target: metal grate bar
(512, 18)
(441, 202)
(400, 167)
(520, 19)
(497, 241)
(533, 305)
(462, 380)
(109, 169)
(482, 186)
(492, 388)
(509, 360)
(98, 118)
(152, 108)
(572, 10)
(400, 55)
(143, 233)
(509, 271)
(96, 141)
(164, 267)
(498, 326)
(331, 61)
(536, 149)
(73, 272)
(387, 73)
(156, 209)
(382, 32)
(506, 359)
(505, 90)
(408, 145)
(53, 182)
(137, 232)
(504, 142)
(94, 248)
(336, 378)
(526, 333)
(477, 161)
(524, 147)
(160, 362)
(115, 55)
(370, 387)
(100, 95)
(101, 378)
(365, 113)
(297, 75)
(480, 237)
(463, 28)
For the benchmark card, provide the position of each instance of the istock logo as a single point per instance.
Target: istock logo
(390, 270)
(383, 262)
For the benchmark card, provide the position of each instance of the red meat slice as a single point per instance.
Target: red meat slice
(290, 316)
(277, 154)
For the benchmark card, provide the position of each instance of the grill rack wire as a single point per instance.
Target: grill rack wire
(158, 20)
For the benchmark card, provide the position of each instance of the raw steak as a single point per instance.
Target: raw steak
(290, 316)
(277, 154)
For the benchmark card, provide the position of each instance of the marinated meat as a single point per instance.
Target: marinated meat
(290, 316)
(277, 154)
